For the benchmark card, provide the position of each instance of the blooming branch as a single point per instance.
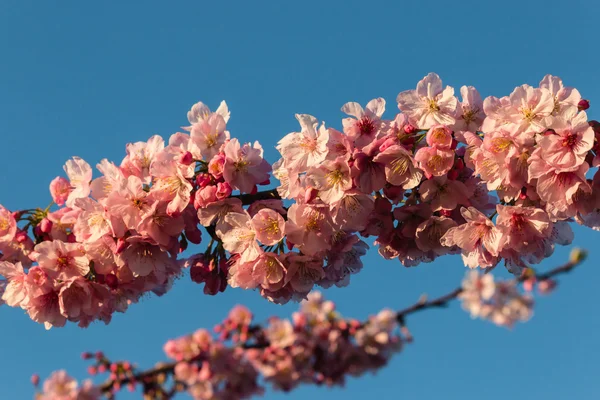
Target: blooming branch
(318, 346)
(494, 180)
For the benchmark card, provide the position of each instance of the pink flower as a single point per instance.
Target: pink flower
(140, 156)
(443, 193)
(244, 165)
(367, 124)
(566, 99)
(80, 176)
(237, 233)
(331, 179)
(216, 165)
(129, 203)
(470, 111)
(75, 299)
(161, 227)
(268, 271)
(439, 136)
(60, 188)
(559, 188)
(478, 233)
(102, 252)
(60, 386)
(143, 257)
(15, 292)
(223, 190)
(209, 135)
(45, 309)
(367, 175)
(527, 107)
(309, 227)
(62, 260)
(304, 149)
(338, 145)
(429, 104)
(434, 161)
(269, 226)
(522, 226)
(112, 179)
(567, 149)
(352, 211)
(88, 391)
(429, 234)
(303, 272)
(218, 209)
(8, 226)
(280, 333)
(400, 167)
(171, 186)
(201, 112)
(93, 222)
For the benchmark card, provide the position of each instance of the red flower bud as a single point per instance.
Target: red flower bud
(583, 104)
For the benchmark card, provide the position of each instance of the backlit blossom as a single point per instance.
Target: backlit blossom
(80, 177)
(365, 125)
(400, 167)
(244, 165)
(307, 148)
(331, 179)
(236, 230)
(429, 104)
(209, 135)
(269, 226)
(434, 161)
(60, 188)
(62, 260)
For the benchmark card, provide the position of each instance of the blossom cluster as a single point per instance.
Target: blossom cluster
(317, 346)
(494, 179)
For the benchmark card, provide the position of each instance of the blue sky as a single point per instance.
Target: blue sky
(84, 78)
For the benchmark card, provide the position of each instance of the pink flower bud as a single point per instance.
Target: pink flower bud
(21, 236)
(114, 367)
(60, 188)
(583, 104)
(111, 281)
(223, 190)
(35, 379)
(528, 284)
(46, 225)
(186, 158)
(92, 370)
(101, 368)
(203, 180)
(445, 213)
(546, 286)
(408, 128)
(86, 355)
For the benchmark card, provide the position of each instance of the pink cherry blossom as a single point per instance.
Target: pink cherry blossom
(60, 386)
(237, 232)
(268, 271)
(574, 138)
(201, 112)
(130, 203)
(352, 211)
(171, 186)
(439, 136)
(470, 113)
(15, 292)
(309, 227)
(303, 272)
(429, 104)
(269, 226)
(443, 193)
(304, 149)
(209, 135)
(522, 226)
(112, 179)
(365, 125)
(80, 177)
(244, 165)
(8, 225)
(434, 161)
(60, 188)
(400, 167)
(331, 179)
(430, 232)
(566, 99)
(62, 260)
(140, 156)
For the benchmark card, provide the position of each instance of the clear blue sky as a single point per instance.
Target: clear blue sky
(84, 78)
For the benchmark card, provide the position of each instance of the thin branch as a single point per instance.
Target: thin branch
(248, 199)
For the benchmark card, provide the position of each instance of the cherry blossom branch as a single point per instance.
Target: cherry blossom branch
(248, 198)
(529, 275)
